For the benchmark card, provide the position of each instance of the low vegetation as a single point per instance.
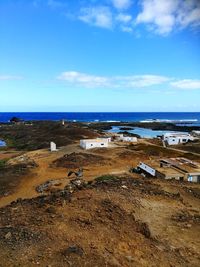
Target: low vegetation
(39, 134)
(106, 178)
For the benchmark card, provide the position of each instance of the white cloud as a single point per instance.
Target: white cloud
(189, 14)
(124, 18)
(186, 84)
(158, 13)
(100, 16)
(121, 4)
(142, 80)
(164, 16)
(10, 77)
(83, 79)
(132, 81)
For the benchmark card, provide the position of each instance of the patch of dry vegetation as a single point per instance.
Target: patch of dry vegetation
(77, 160)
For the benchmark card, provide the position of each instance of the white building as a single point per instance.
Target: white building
(93, 143)
(181, 169)
(177, 138)
(129, 139)
(121, 137)
(52, 147)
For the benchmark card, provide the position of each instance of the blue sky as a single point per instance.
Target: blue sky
(108, 55)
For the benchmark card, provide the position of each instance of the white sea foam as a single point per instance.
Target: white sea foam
(169, 121)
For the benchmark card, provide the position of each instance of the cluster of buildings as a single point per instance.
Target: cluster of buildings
(104, 141)
(181, 169)
(168, 139)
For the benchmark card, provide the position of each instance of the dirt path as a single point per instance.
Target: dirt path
(39, 175)
(26, 188)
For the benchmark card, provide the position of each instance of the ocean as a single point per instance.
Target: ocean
(177, 117)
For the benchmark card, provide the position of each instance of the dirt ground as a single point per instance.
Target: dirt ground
(124, 220)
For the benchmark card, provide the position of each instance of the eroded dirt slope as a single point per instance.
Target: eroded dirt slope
(112, 221)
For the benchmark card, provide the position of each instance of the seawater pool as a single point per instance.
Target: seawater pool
(142, 132)
(2, 143)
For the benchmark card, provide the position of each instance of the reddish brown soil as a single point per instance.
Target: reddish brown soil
(129, 221)
(101, 225)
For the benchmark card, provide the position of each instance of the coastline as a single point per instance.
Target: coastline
(148, 117)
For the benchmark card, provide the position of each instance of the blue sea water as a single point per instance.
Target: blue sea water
(2, 143)
(178, 117)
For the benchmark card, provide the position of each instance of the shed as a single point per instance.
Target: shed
(52, 147)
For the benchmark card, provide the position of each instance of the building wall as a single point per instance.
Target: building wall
(177, 140)
(195, 178)
(89, 144)
(129, 139)
(147, 169)
(83, 144)
(172, 140)
(52, 146)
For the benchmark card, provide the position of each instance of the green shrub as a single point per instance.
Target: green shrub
(2, 163)
(106, 178)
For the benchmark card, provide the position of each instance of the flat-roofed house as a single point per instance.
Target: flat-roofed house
(122, 138)
(177, 138)
(181, 169)
(129, 139)
(94, 143)
(155, 169)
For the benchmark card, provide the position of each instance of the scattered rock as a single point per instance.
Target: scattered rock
(124, 186)
(51, 210)
(47, 185)
(74, 249)
(144, 229)
(8, 235)
(129, 258)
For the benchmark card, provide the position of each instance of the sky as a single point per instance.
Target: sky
(99, 55)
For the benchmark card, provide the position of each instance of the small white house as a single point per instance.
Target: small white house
(121, 137)
(177, 138)
(94, 143)
(129, 139)
(52, 147)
